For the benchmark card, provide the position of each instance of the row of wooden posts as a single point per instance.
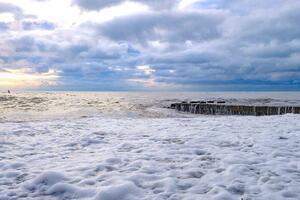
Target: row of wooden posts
(221, 108)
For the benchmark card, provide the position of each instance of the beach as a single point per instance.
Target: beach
(143, 151)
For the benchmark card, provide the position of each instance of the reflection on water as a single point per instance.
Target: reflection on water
(49, 105)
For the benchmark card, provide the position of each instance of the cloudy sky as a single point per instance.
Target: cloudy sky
(150, 44)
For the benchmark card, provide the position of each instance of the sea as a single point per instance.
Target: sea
(27, 106)
(130, 146)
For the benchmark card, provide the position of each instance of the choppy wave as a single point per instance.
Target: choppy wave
(49, 105)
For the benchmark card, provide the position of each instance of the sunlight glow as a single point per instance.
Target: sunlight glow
(145, 82)
(186, 3)
(66, 15)
(146, 69)
(23, 78)
(6, 17)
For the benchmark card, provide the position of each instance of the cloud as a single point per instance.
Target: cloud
(101, 4)
(12, 9)
(40, 25)
(146, 69)
(4, 26)
(224, 44)
(9, 8)
(163, 27)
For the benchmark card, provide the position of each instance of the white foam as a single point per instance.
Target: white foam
(103, 158)
(124, 191)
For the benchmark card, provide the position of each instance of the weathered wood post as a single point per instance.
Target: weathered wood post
(221, 108)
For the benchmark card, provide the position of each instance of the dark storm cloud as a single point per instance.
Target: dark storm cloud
(100, 4)
(84, 60)
(265, 25)
(224, 46)
(164, 26)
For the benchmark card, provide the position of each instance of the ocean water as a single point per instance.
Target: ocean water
(52, 105)
(128, 146)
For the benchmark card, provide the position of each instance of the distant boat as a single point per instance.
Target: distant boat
(8, 91)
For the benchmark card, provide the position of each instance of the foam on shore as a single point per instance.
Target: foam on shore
(101, 158)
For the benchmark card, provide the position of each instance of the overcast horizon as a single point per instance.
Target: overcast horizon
(150, 45)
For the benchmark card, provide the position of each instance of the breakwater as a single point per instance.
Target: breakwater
(221, 108)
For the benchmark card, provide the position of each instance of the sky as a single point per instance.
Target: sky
(145, 45)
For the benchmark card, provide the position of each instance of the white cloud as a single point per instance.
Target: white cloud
(185, 4)
(63, 14)
(146, 69)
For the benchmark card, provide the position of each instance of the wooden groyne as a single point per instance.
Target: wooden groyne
(221, 108)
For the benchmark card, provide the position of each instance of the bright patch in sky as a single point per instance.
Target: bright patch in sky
(6, 17)
(146, 69)
(23, 78)
(66, 14)
(186, 3)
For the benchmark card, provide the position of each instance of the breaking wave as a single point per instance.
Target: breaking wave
(52, 105)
